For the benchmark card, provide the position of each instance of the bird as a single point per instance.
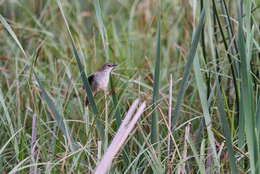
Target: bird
(99, 80)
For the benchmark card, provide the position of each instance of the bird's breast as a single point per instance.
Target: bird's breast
(102, 80)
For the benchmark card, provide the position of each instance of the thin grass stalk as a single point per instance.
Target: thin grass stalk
(234, 71)
(34, 135)
(106, 124)
(258, 116)
(226, 130)
(154, 123)
(9, 140)
(196, 155)
(33, 143)
(9, 122)
(250, 31)
(206, 113)
(216, 48)
(182, 169)
(11, 32)
(241, 130)
(203, 46)
(115, 103)
(101, 27)
(230, 30)
(169, 118)
(209, 26)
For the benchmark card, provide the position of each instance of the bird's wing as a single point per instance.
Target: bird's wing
(93, 83)
(91, 79)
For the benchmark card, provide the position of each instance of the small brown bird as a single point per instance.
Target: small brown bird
(99, 79)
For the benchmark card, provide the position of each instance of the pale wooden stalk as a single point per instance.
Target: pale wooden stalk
(124, 130)
(185, 149)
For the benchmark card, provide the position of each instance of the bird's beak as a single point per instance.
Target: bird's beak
(114, 65)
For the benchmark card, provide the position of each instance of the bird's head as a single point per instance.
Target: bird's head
(108, 67)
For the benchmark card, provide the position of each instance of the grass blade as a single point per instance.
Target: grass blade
(230, 28)
(246, 91)
(11, 32)
(154, 123)
(205, 107)
(82, 72)
(101, 27)
(9, 140)
(33, 143)
(9, 122)
(232, 63)
(226, 130)
(115, 103)
(56, 114)
(99, 125)
(258, 116)
(247, 95)
(187, 69)
(196, 155)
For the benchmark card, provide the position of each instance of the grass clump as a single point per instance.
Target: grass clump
(211, 48)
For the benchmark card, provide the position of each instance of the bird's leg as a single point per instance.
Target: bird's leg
(109, 92)
(106, 91)
(94, 93)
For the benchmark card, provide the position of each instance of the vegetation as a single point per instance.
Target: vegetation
(194, 63)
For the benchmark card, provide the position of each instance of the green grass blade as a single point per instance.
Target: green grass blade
(99, 125)
(230, 28)
(205, 107)
(115, 104)
(101, 27)
(234, 71)
(9, 122)
(246, 91)
(2, 149)
(258, 116)
(11, 32)
(241, 128)
(154, 123)
(82, 72)
(226, 130)
(60, 122)
(187, 69)
(196, 155)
